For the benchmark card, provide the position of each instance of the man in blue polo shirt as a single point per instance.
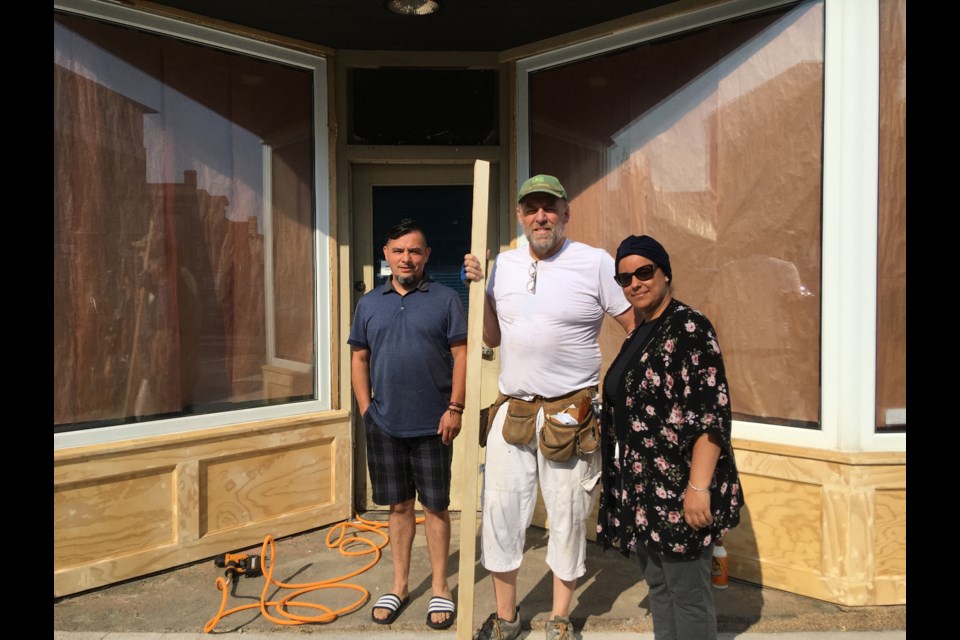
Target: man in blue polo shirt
(409, 370)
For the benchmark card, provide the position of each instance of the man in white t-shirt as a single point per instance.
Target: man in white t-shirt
(545, 305)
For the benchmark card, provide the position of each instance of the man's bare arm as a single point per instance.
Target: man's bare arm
(360, 377)
(627, 320)
(491, 324)
(451, 421)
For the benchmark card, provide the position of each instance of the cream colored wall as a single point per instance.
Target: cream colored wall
(822, 524)
(123, 511)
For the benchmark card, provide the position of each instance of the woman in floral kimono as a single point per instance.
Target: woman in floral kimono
(670, 482)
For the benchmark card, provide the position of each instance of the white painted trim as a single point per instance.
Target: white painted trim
(120, 433)
(322, 268)
(322, 265)
(849, 271)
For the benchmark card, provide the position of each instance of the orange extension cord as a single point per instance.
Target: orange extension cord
(285, 617)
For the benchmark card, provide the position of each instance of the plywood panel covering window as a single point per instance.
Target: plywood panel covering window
(183, 228)
(892, 220)
(711, 142)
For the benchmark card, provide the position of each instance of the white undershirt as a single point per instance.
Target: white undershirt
(549, 339)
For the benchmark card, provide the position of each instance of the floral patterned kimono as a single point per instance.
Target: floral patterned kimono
(672, 391)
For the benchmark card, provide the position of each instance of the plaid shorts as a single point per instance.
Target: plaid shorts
(404, 468)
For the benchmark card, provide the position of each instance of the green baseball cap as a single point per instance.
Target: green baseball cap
(544, 183)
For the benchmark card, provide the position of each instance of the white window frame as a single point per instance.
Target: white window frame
(849, 209)
(321, 264)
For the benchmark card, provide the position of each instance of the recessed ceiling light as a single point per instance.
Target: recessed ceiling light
(413, 7)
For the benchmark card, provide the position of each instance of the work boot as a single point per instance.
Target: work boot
(559, 629)
(495, 628)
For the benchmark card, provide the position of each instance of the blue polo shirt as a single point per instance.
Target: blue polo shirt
(411, 367)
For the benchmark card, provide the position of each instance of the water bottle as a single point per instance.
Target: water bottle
(718, 574)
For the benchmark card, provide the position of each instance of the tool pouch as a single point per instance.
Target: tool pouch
(521, 421)
(487, 416)
(559, 441)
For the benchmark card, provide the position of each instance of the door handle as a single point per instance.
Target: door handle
(486, 353)
(360, 286)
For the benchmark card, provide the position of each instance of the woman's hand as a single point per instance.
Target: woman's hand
(696, 509)
(696, 501)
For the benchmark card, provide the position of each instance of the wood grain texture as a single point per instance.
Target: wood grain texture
(785, 519)
(121, 512)
(470, 482)
(832, 529)
(117, 515)
(890, 535)
(261, 485)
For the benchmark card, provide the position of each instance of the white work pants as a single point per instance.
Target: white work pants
(510, 480)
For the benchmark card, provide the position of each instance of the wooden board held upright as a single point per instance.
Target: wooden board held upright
(471, 415)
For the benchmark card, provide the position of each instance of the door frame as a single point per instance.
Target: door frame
(365, 176)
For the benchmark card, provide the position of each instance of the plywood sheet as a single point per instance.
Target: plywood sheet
(260, 485)
(112, 517)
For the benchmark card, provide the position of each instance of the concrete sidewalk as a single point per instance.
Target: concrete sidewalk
(610, 602)
(449, 635)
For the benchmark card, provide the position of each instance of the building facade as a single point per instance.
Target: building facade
(220, 197)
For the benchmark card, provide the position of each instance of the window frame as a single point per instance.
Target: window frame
(848, 209)
(321, 264)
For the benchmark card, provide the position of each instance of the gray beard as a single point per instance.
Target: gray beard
(406, 280)
(543, 246)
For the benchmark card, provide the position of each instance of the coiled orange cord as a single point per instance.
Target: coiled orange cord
(345, 543)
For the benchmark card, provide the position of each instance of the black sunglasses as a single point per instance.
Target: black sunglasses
(643, 273)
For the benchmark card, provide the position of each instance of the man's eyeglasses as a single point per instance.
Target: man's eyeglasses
(643, 273)
(532, 283)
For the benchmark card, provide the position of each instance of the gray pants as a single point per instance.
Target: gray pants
(681, 595)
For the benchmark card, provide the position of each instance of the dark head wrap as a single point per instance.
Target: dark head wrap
(648, 248)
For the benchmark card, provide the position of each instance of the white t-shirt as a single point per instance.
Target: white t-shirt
(549, 339)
